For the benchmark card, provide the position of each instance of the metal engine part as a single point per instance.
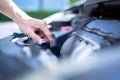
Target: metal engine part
(95, 35)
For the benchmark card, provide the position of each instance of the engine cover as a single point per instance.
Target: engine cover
(97, 34)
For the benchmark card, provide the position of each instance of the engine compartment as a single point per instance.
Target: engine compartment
(95, 26)
(105, 10)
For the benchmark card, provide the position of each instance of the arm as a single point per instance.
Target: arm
(27, 24)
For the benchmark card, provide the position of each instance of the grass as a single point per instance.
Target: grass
(38, 14)
(41, 14)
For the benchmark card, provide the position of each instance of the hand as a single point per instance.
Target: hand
(36, 29)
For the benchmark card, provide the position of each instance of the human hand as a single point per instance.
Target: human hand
(36, 29)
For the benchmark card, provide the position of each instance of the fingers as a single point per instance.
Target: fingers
(40, 33)
(38, 30)
(49, 37)
(47, 33)
(35, 37)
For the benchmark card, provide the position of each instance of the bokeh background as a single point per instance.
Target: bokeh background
(41, 8)
(35, 8)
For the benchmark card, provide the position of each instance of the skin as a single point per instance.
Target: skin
(34, 28)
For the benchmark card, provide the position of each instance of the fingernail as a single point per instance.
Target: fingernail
(40, 42)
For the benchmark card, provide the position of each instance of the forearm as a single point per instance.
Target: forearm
(11, 10)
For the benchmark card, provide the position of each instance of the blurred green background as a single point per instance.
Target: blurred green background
(40, 8)
(38, 14)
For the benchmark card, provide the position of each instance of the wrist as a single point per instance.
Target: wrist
(21, 18)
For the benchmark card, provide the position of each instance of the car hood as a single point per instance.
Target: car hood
(97, 1)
